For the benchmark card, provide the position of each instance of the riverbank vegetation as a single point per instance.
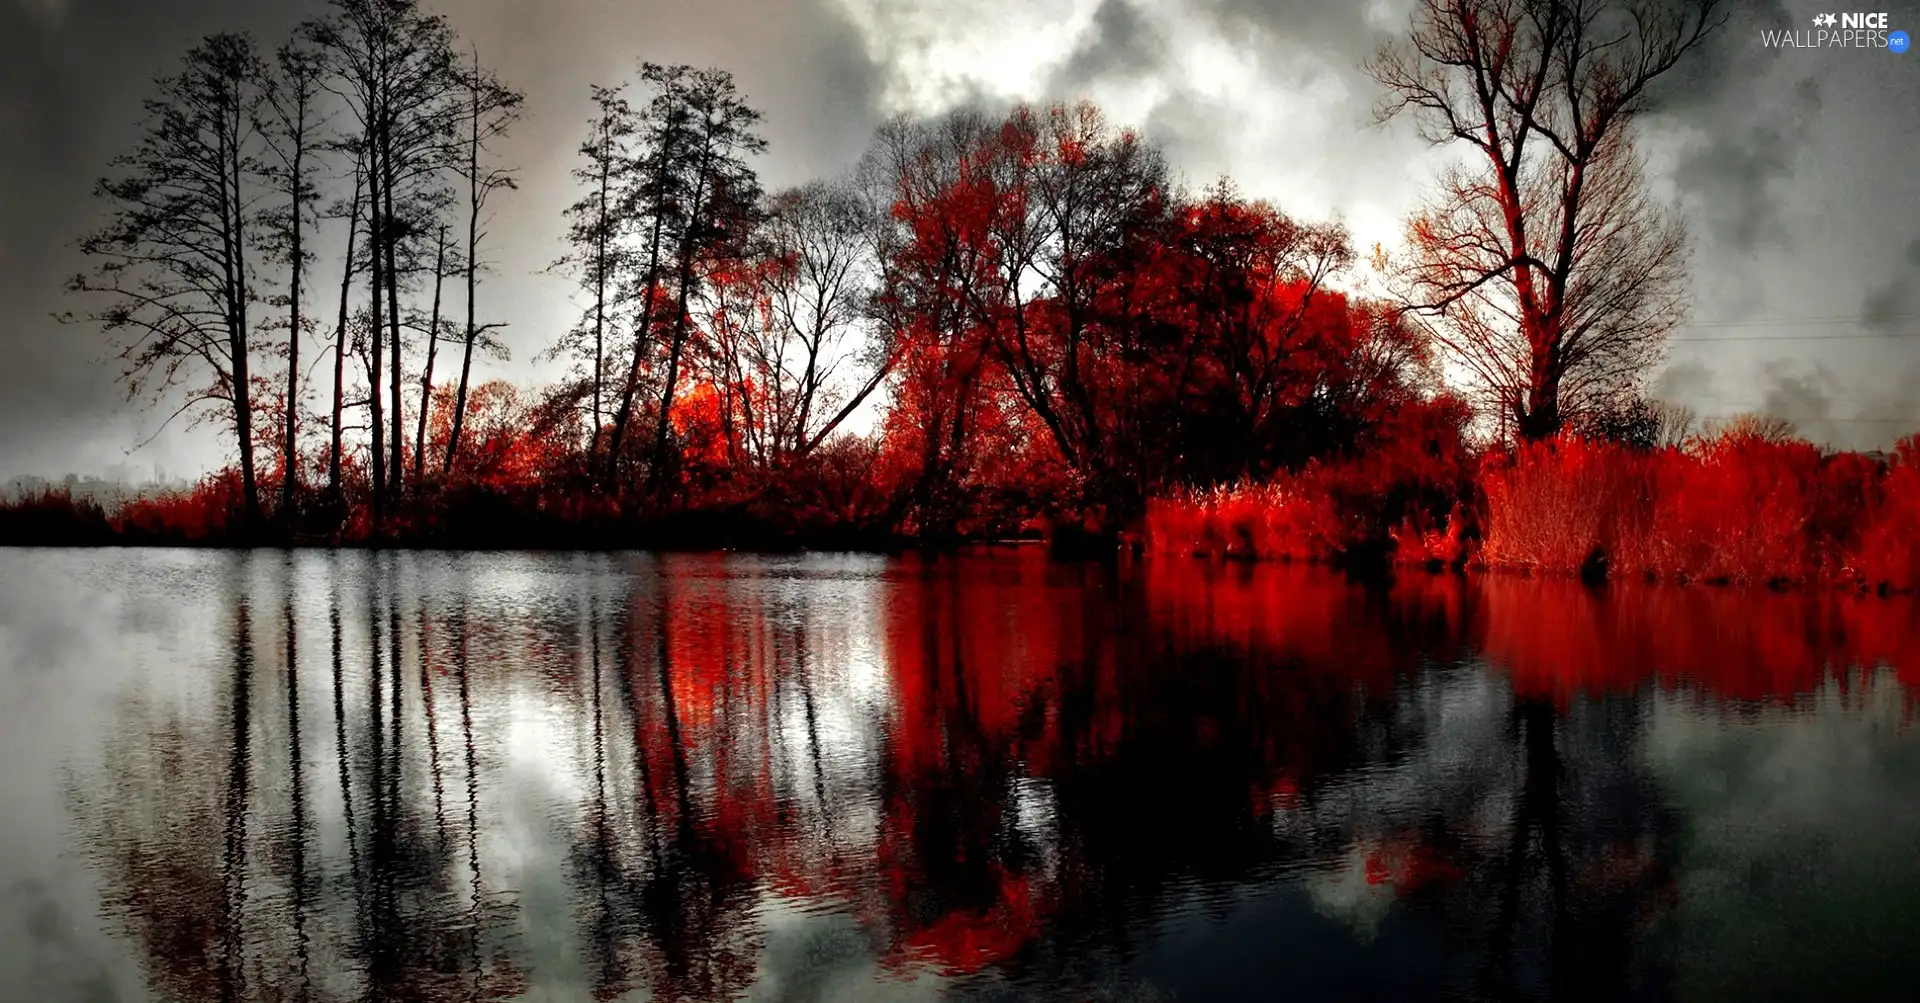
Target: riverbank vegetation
(993, 326)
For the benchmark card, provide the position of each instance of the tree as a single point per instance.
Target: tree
(394, 70)
(487, 111)
(694, 194)
(595, 231)
(292, 141)
(174, 256)
(653, 204)
(433, 347)
(349, 267)
(933, 253)
(790, 322)
(1076, 198)
(1554, 275)
(722, 193)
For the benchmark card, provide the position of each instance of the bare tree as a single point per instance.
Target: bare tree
(723, 195)
(293, 141)
(1554, 275)
(440, 273)
(652, 203)
(488, 109)
(173, 258)
(394, 71)
(793, 324)
(931, 258)
(349, 267)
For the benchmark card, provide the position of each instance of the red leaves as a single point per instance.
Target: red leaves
(1735, 508)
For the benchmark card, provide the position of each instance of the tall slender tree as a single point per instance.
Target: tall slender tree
(722, 198)
(791, 324)
(395, 72)
(349, 267)
(433, 346)
(292, 129)
(595, 233)
(487, 110)
(654, 204)
(173, 258)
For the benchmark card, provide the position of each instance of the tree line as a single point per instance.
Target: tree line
(1041, 319)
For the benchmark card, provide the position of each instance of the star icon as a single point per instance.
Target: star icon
(1831, 20)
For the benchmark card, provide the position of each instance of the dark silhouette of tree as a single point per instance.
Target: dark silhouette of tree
(293, 142)
(488, 108)
(1554, 275)
(694, 196)
(352, 209)
(174, 257)
(932, 257)
(791, 323)
(394, 70)
(1073, 196)
(433, 346)
(599, 255)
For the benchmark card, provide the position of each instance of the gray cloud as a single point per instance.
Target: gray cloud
(1121, 43)
(1893, 304)
(1731, 178)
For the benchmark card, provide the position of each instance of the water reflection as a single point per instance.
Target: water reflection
(838, 778)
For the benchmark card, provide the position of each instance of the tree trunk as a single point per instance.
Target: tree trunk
(656, 481)
(398, 438)
(433, 344)
(290, 462)
(376, 235)
(242, 379)
(625, 414)
(656, 469)
(473, 266)
(340, 342)
(600, 293)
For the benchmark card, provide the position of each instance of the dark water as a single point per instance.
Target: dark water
(478, 777)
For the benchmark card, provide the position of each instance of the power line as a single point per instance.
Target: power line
(1741, 338)
(1816, 321)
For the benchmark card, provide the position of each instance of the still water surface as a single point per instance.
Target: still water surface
(319, 776)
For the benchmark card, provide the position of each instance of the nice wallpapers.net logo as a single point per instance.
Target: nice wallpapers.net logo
(1833, 30)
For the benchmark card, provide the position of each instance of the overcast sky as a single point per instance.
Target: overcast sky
(1796, 167)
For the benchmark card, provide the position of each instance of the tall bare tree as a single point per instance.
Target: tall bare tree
(173, 259)
(293, 141)
(394, 70)
(793, 322)
(1553, 275)
(652, 203)
(488, 108)
(349, 267)
(440, 273)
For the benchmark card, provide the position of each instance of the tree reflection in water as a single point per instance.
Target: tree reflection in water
(653, 778)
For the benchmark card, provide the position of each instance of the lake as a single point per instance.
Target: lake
(363, 776)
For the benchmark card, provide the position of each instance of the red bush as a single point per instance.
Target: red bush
(1739, 508)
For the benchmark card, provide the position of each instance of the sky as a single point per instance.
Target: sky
(1794, 167)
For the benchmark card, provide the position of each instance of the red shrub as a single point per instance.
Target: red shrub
(1886, 547)
(1560, 506)
(201, 515)
(1739, 507)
